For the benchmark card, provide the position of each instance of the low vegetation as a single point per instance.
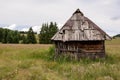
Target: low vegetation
(36, 62)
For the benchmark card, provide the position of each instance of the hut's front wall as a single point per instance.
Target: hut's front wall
(80, 49)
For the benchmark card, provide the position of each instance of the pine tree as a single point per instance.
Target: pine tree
(9, 37)
(16, 37)
(5, 34)
(52, 30)
(31, 37)
(46, 33)
(1, 34)
(24, 39)
(13, 37)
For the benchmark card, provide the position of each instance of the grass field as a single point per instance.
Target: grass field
(35, 62)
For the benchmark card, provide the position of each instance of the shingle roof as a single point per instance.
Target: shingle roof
(80, 28)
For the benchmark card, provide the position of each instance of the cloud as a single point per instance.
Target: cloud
(36, 29)
(116, 18)
(11, 27)
(35, 12)
(24, 29)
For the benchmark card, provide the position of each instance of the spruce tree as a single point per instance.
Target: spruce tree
(16, 37)
(5, 34)
(46, 33)
(31, 37)
(24, 39)
(1, 34)
(9, 37)
(52, 30)
(13, 37)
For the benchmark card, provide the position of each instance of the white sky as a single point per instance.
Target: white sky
(15, 13)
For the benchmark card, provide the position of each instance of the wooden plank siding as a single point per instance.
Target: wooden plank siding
(81, 49)
(80, 37)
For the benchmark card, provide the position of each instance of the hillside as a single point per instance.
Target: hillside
(118, 35)
(35, 62)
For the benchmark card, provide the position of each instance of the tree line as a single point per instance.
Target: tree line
(118, 35)
(29, 37)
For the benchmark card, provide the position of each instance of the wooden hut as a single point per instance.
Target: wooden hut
(80, 37)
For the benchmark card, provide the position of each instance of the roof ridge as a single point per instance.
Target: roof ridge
(78, 11)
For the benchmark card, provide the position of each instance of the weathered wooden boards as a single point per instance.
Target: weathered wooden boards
(81, 37)
(92, 49)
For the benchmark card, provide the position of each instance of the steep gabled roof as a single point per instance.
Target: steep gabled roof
(80, 28)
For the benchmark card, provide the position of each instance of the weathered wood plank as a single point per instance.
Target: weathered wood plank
(80, 37)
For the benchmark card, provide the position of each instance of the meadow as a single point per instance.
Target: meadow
(35, 62)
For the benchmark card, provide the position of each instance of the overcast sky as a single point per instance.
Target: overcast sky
(22, 14)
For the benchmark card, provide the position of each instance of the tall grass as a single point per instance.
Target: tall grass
(36, 62)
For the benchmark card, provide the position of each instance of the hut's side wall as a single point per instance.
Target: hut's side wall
(80, 49)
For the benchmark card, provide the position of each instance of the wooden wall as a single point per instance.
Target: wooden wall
(80, 49)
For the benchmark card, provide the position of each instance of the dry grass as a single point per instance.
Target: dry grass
(32, 62)
(28, 46)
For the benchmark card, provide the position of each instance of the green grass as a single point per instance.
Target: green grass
(35, 62)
